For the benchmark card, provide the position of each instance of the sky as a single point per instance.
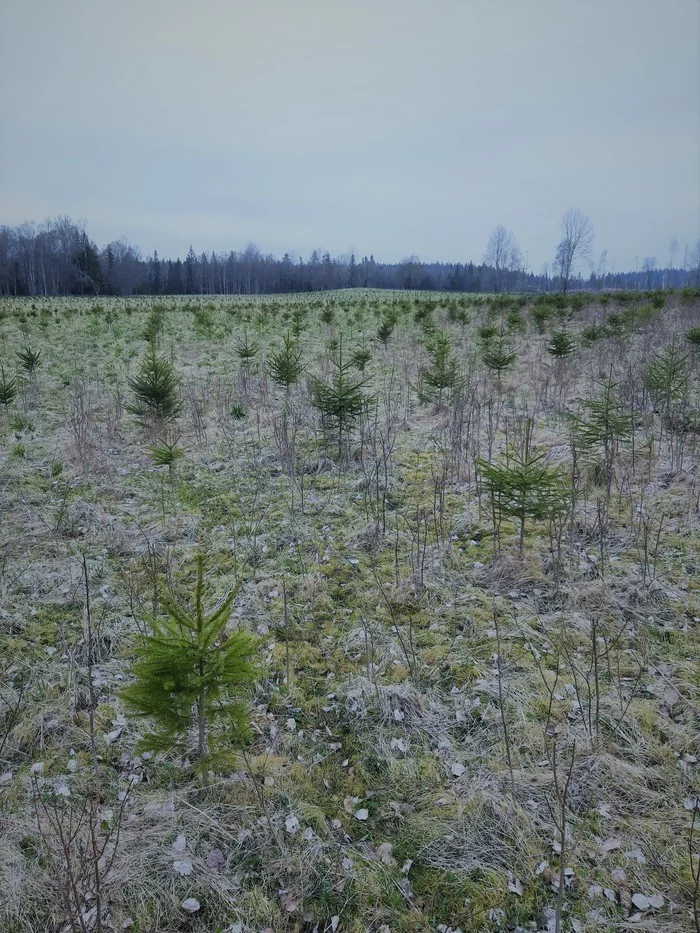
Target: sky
(391, 127)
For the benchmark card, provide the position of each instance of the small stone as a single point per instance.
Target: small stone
(191, 905)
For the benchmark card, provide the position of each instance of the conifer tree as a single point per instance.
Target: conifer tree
(562, 344)
(604, 424)
(442, 377)
(340, 401)
(361, 357)
(247, 350)
(192, 676)
(29, 359)
(8, 389)
(497, 353)
(155, 388)
(667, 379)
(524, 486)
(284, 365)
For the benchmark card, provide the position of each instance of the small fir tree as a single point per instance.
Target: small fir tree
(497, 354)
(29, 359)
(561, 344)
(361, 357)
(386, 328)
(667, 379)
(604, 424)
(284, 365)
(341, 401)
(442, 377)
(693, 337)
(191, 676)
(155, 388)
(8, 389)
(524, 486)
(247, 350)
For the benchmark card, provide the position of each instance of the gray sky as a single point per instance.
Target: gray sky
(387, 126)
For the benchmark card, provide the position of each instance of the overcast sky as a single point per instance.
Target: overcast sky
(391, 127)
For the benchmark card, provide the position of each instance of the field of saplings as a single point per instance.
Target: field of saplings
(356, 611)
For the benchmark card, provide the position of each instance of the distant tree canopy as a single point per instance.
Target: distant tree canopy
(59, 258)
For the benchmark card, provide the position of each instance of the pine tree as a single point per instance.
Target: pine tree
(190, 675)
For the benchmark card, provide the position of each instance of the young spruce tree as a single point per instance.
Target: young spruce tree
(524, 486)
(192, 676)
(342, 400)
(155, 388)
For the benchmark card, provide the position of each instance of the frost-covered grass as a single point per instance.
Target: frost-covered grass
(434, 714)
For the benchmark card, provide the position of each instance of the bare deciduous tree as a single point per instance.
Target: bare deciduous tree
(502, 254)
(575, 245)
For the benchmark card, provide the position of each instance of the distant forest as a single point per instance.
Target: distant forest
(59, 258)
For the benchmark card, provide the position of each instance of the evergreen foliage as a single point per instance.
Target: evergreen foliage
(8, 389)
(284, 365)
(592, 333)
(667, 379)
(361, 357)
(341, 401)
(496, 352)
(299, 320)
(247, 350)
(386, 328)
(442, 376)
(524, 486)
(562, 344)
(165, 454)
(192, 677)
(155, 388)
(603, 426)
(29, 359)
(693, 337)
(153, 327)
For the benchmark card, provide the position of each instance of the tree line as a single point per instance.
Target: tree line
(58, 257)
